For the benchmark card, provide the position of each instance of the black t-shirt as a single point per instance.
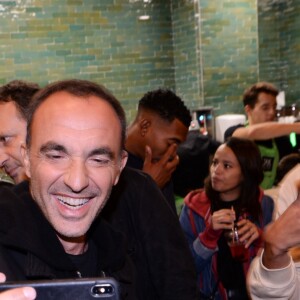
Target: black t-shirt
(86, 263)
(168, 190)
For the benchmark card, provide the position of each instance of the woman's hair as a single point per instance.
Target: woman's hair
(249, 158)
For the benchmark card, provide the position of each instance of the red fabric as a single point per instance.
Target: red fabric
(198, 202)
(209, 237)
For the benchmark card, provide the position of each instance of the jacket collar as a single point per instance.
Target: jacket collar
(198, 201)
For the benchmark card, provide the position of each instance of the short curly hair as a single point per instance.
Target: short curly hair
(167, 105)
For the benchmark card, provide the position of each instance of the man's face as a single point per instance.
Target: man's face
(74, 160)
(264, 109)
(161, 135)
(12, 136)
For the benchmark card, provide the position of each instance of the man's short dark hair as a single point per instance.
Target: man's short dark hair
(167, 105)
(20, 92)
(79, 88)
(251, 94)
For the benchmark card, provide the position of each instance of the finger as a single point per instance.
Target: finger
(172, 164)
(224, 211)
(252, 236)
(148, 155)
(170, 154)
(24, 293)
(223, 221)
(2, 277)
(222, 218)
(241, 223)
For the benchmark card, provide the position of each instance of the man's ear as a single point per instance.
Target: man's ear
(123, 161)
(144, 125)
(25, 158)
(248, 109)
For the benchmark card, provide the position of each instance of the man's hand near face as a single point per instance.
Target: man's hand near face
(162, 170)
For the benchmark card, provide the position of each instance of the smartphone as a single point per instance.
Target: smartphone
(105, 288)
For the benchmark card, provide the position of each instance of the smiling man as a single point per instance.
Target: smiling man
(15, 97)
(73, 157)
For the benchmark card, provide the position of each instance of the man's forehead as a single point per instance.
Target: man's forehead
(9, 108)
(266, 98)
(71, 106)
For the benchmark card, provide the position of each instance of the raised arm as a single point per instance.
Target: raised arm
(273, 274)
(266, 130)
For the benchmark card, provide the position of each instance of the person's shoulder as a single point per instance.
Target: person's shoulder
(197, 201)
(13, 206)
(133, 190)
(132, 177)
(230, 130)
(134, 161)
(7, 192)
(267, 199)
(291, 176)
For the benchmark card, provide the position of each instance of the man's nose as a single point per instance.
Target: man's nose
(76, 176)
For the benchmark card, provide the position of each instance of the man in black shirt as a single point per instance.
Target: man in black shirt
(15, 98)
(161, 124)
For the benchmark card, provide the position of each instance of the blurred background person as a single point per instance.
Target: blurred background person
(15, 97)
(272, 138)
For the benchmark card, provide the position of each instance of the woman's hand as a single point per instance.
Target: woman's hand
(23, 293)
(248, 232)
(223, 219)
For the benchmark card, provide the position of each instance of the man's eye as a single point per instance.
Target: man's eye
(100, 161)
(4, 139)
(53, 155)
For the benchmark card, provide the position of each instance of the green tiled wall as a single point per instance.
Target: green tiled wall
(208, 51)
(187, 59)
(100, 40)
(228, 52)
(279, 45)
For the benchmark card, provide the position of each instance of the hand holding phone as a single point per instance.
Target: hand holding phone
(22, 293)
(76, 289)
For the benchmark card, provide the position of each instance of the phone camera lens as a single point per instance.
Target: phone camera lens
(102, 289)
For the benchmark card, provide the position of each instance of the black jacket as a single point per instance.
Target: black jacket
(30, 249)
(168, 190)
(156, 243)
(194, 161)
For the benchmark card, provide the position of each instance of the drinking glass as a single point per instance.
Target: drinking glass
(237, 248)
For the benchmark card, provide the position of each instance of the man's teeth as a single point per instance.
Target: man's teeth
(72, 202)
